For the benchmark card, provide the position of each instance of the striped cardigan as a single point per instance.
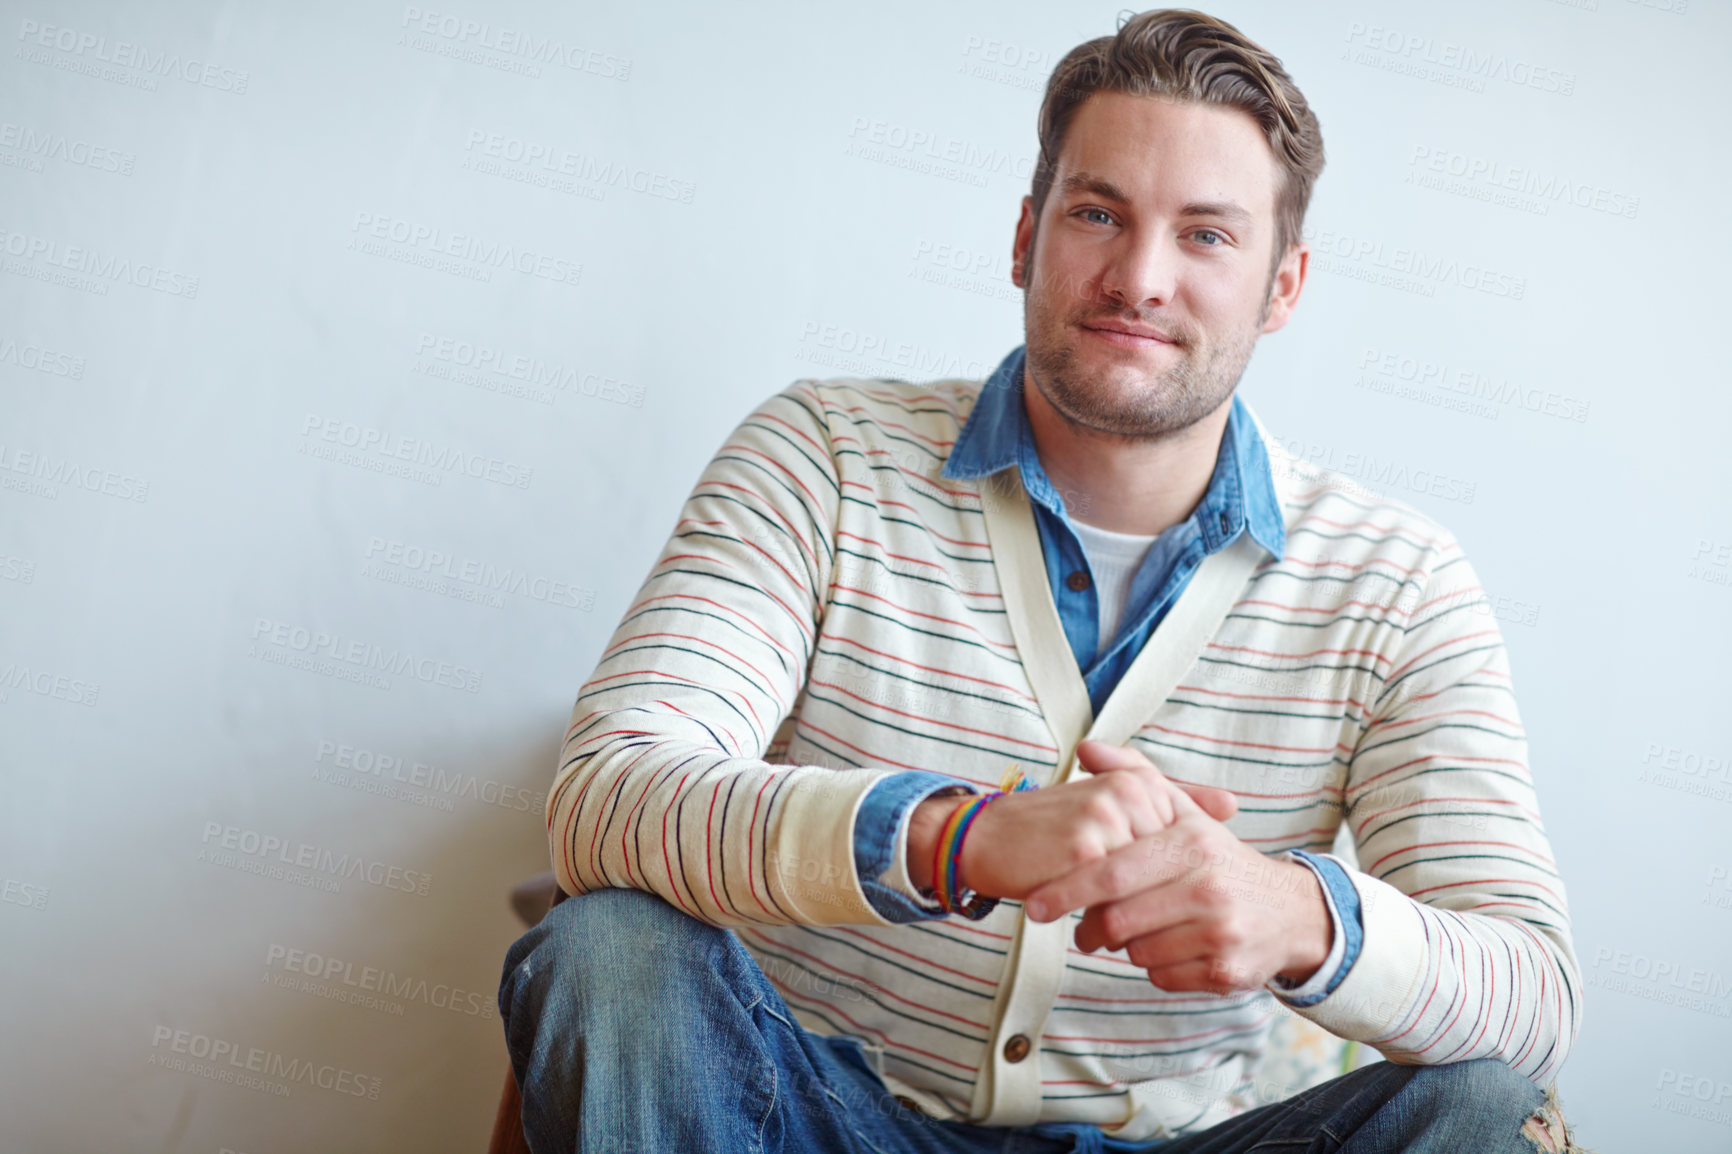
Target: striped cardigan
(827, 612)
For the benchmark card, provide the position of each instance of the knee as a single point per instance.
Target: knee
(1481, 1084)
(617, 948)
(1486, 1089)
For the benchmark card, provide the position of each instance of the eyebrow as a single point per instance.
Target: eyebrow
(1100, 186)
(1089, 182)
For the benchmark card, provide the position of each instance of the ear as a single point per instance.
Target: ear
(1019, 246)
(1284, 289)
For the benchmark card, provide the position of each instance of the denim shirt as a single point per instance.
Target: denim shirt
(1240, 498)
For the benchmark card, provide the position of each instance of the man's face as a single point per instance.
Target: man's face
(1150, 280)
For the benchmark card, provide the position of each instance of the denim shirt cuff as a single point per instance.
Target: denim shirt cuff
(880, 842)
(1342, 900)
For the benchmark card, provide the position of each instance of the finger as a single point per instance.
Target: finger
(1202, 976)
(1219, 804)
(1199, 954)
(1097, 757)
(1170, 945)
(1190, 956)
(1145, 863)
(1142, 916)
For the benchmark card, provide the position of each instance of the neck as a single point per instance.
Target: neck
(1127, 486)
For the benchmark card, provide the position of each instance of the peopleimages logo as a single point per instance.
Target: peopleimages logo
(47, 145)
(1338, 252)
(345, 981)
(482, 576)
(38, 359)
(425, 243)
(105, 267)
(1428, 57)
(46, 683)
(227, 1061)
(358, 765)
(330, 438)
(224, 842)
(1379, 475)
(87, 46)
(47, 473)
(1666, 980)
(278, 641)
(495, 370)
(1543, 187)
(528, 49)
(1431, 375)
(554, 160)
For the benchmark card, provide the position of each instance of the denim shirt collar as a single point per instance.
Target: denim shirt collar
(1241, 491)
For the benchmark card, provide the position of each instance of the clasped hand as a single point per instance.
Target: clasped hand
(1157, 872)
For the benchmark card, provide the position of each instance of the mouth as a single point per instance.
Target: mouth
(1127, 336)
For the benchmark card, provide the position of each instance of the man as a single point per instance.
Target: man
(1209, 658)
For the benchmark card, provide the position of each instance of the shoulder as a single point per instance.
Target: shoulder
(929, 406)
(1345, 520)
(873, 415)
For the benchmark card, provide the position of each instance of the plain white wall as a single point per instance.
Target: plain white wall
(234, 237)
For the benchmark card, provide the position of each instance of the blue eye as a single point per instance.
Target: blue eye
(1219, 239)
(1100, 212)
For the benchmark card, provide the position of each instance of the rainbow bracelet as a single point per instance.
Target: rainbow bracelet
(951, 895)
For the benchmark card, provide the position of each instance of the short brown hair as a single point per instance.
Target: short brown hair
(1184, 55)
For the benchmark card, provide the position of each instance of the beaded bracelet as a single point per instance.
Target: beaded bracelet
(951, 895)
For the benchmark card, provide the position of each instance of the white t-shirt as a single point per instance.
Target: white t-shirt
(1113, 561)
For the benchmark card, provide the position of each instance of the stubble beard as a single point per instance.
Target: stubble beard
(1135, 406)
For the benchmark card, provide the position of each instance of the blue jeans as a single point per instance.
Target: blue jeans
(634, 1028)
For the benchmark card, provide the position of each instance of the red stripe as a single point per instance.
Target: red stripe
(1357, 704)
(831, 967)
(1231, 1028)
(1427, 800)
(1247, 744)
(872, 758)
(1424, 653)
(1360, 788)
(702, 642)
(1008, 647)
(792, 580)
(751, 852)
(887, 948)
(1438, 844)
(1039, 748)
(1389, 724)
(709, 845)
(791, 996)
(667, 862)
(805, 625)
(1484, 882)
(669, 679)
(1372, 653)
(728, 609)
(902, 661)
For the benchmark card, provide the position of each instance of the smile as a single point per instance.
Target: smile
(1126, 340)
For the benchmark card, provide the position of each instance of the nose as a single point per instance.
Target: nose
(1142, 271)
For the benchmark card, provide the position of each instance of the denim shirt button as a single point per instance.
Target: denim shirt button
(1077, 581)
